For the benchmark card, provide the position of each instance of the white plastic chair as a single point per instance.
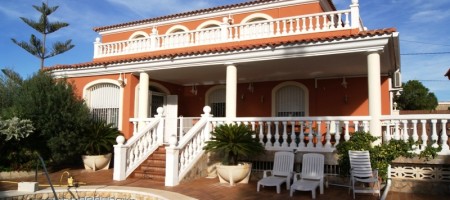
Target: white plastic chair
(311, 176)
(361, 171)
(283, 168)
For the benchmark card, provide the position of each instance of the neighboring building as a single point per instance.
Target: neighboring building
(448, 74)
(444, 105)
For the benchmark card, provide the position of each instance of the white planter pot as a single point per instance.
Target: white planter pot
(96, 162)
(234, 173)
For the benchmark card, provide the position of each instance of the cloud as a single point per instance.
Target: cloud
(10, 13)
(151, 8)
(430, 16)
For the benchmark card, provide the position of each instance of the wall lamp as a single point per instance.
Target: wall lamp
(121, 80)
(250, 87)
(344, 83)
(194, 89)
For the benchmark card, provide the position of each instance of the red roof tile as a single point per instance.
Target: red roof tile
(190, 13)
(226, 47)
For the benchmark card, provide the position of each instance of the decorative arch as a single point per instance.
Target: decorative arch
(111, 111)
(175, 29)
(290, 98)
(138, 34)
(163, 91)
(255, 16)
(215, 97)
(209, 23)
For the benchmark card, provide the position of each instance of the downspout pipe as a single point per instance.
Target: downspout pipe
(388, 184)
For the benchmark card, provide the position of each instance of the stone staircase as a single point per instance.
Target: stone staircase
(154, 168)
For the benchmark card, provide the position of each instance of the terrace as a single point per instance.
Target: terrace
(301, 134)
(204, 188)
(228, 32)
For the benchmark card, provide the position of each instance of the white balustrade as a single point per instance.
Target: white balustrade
(304, 24)
(422, 129)
(307, 134)
(136, 150)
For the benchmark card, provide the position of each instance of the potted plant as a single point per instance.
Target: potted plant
(98, 144)
(232, 141)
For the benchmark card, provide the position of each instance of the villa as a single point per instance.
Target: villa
(301, 73)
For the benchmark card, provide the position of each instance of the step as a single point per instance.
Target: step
(154, 177)
(148, 169)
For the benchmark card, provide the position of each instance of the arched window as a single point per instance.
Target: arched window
(216, 98)
(290, 99)
(258, 26)
(103, 100)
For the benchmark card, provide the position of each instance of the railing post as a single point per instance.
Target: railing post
(120, 155)
(355, 14)
(444, 137)
(172, 157)
(97, 47)
(153, 42)
(224, 29)
(160, 128)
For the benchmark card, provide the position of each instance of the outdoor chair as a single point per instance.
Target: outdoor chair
(283, 168)
(311, 176)
(361, 171)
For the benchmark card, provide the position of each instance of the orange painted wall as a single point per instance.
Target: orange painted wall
(328, 99)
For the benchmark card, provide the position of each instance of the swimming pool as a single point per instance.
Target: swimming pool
(98, 192)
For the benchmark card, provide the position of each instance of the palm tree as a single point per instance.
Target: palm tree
(36, 46)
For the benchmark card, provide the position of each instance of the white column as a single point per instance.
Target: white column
(96, 47)
(231, 90)
(374, 87)
(143, 98)
(354, 8)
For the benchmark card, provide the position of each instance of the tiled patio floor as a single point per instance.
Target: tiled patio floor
(207, 188)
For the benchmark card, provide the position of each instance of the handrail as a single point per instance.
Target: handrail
(129, 155)
(46, 174)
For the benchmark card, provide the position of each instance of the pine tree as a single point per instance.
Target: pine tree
(416, 96)
(37, 46)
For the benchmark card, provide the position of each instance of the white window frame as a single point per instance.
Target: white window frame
(86, 96)
(212, 90)
(285, 84)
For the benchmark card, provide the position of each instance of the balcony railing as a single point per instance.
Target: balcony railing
(303, 24)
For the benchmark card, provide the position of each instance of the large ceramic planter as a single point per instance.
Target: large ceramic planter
(234, 173)
(96, 162)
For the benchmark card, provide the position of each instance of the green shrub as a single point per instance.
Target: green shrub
(381, 156)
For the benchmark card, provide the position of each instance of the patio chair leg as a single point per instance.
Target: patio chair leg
(278, 189)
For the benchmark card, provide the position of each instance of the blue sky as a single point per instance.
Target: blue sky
(423, 25)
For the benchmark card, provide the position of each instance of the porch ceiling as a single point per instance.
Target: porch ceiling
(325, 66)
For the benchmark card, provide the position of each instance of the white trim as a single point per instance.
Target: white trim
(290, 83)
(111, 81)
(207, 23)
(256, 15)
(217, 13)
(351, 45)
(138, 33)
(177, 27)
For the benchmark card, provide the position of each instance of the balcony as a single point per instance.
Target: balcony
(228, 32)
